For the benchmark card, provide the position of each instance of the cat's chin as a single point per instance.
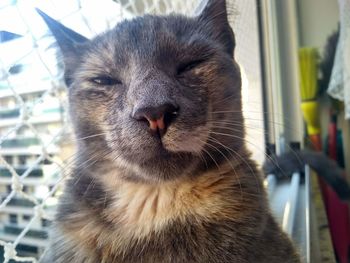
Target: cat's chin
(162, 166)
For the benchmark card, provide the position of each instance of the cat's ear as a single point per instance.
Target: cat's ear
(69, 41)
(214, 17)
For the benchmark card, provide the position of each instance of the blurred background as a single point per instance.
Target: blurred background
(295, 61)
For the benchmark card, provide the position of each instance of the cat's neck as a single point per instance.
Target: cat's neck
(147, 207)
(133, 211)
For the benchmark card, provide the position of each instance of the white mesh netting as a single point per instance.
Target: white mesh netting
(35, 135)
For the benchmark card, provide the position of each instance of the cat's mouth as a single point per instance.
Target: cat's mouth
(147, 141)
(158, 119)
(192, 141)
(154, 145)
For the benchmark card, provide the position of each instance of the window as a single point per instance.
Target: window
(26, 217)
(13, 219)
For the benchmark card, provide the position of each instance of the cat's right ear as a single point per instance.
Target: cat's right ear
(213, 15)
(69, 42)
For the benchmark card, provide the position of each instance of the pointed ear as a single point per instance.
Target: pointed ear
(69, 42)
(214, 17)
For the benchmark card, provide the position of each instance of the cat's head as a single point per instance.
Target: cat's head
(161, 89)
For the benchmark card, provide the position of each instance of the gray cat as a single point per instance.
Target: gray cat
(166, 182)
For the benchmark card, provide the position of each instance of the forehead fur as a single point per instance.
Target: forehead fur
(145, 37)
(152, 40)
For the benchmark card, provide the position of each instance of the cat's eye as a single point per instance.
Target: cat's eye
(188, 66)
(105, 81)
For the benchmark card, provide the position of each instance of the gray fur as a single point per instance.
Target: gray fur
(154, 60)
(295, 161)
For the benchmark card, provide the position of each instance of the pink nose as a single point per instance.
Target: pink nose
(157, 124)
(158, 118)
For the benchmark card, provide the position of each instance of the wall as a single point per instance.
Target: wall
(317, 19)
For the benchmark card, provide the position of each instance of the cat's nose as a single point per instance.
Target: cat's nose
(158, 118)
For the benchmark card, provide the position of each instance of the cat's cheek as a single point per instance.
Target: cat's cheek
(186, 141)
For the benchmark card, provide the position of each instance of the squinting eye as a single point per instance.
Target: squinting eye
(105, 81)
(188, 66)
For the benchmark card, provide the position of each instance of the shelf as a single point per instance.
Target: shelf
(39, 175)
(35, 172)
(20, 142)
(9, 113)
(44, 118)
(30, 241)
(21, 202)
(24, 210)
(32, 233)
(31, 150)
(7, 92)
(29, 181)
(17, 210)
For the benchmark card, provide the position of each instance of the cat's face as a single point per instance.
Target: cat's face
(156, 88)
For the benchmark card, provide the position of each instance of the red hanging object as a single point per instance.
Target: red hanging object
(337, 211)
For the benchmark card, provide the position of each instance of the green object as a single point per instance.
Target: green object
(308, 72)
(308, 69)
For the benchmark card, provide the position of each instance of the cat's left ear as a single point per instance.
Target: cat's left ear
(214, 17)
(69, 41)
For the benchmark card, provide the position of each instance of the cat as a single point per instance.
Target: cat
(166, 182)
(295, 161)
